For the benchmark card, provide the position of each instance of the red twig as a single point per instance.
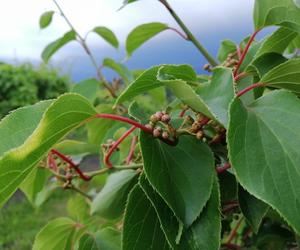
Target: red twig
(238, 51)
(232, 246)
(123, 119)
(234, 231)
(229, 208)
(239, 76)
(115, 146)
(182, 113)
(253, 86)
(131, 151)
(179, 33)
(245, 52)
(51, 162)
(248, 232)
(204, 121)
(223, 168)
(71, 164)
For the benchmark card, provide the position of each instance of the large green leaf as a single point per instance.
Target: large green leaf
(263, 141)
(60, 234)
(107, 35)
(141, 229)
(222, 82)
(277, 42)
(142, 34)
(51, 48)
(227, 47)
(285, 75)
(46, 19)
(182, 175)
(16, 127)
(87, 88)
(120, 68)
(277, 12)
(252, 208)
(64, 114)
(110, 202)
(73, 147)
(203, 234)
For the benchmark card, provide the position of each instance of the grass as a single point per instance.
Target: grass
(20, 222)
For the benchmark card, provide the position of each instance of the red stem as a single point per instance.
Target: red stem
(179, 33)
(238, 51)
(182, 113)
(204, 121)
(234, 231)
(223, 168)
(245, 52)
(71, 164)
(51, 162)
(124, 119)
(115, 146)
(132, 148)
(253, 86)
(232, 246)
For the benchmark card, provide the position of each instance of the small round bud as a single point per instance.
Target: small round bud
(154, 118)
(110, 141)
(165, 135)
(159, 115)
(195, 126)
(166, 118)
(206, 66)
(149, 126)
(199, 135)
(69, 176)
(156, 133)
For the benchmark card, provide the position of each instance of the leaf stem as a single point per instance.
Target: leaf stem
(223, 168)
(72, 187)
(241, 75)
(245, 52)
(131, 151)
(179, 33)
(189, 34)
(83, 43)
(253, 86)
(115, 146)
(234, 231)
(105, 170)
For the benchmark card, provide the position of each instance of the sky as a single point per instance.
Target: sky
(211, 21)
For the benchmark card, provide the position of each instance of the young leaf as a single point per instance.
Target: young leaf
(46, 19)
(141, 228)
(78, 208)
(285, 75)
(64, 114)
(252, 208)
(142, 34)
(277, 12)
(60, 233)
(110, 202)
(108, 239)
(87, 88)
(107, 35)
(263, 151)
(182, 175)
(226, 48)
(57, 44)
(16, 127)
(120, 68)
(73, 147)
(222, 82)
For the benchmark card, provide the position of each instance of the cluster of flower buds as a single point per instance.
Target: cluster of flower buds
(230, 60)
(160, 116)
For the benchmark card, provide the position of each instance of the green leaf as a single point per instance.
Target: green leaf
(277, 42)
(228, 187)
(142, 34)
(16, 127)
(203, 234)
(87, 88)
(252, 208)
(294, 45)
(219, 93)
(78, 208)
(73, 147)
(141, 229)
(120, 68)
(46, 19)
(297, 3)
(64, 114)
(58, 234)
(110, 202)
(53, 47)
(108, 239)
(182, 175)
(107, 35)
(285, 75)
(263, 150)
(277, 12)
(34, 184)
(226, 48)
(88, 242)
